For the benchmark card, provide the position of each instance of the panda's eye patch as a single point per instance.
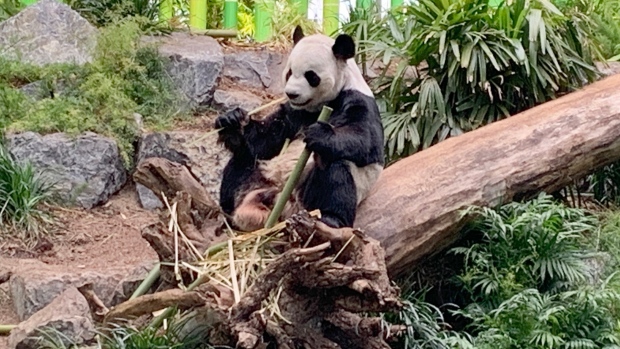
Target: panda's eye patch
(313, 79)
(288, 74)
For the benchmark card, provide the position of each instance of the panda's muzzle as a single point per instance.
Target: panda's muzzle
(300, 104)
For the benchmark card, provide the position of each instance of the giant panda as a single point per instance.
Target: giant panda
(348, 153)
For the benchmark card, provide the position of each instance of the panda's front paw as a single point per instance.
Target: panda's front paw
(317, 136)
(231, 120)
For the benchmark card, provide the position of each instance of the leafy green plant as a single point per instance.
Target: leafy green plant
(22, 191)
(144, 12)
(537, 244)
(606, 15)
(581, 318)
(174, 336)
(478, 64)
(9, 8)
(284, 20)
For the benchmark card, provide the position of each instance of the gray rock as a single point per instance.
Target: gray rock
(202, 155)
(34, 288)
(147, 198)
(194, 64)
(226, 100)
(257, 69)
(608, 68)
(68, 314)
(34, 90)
(38, 90)
(130, 283)
(87, 169)
(48, 32)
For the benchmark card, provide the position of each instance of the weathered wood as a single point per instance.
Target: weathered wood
(149, 303)
(161, 175)
(414, 209)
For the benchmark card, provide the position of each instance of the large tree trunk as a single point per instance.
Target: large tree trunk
(414, 209)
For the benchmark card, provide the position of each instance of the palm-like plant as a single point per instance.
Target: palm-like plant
(483, 64)
(537, 244)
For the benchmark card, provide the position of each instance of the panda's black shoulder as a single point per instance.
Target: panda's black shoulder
(364, 105)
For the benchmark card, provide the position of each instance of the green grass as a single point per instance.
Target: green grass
(125, 78)
(175, 336)
(22, 191)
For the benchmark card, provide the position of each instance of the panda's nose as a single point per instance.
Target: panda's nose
(292, 95)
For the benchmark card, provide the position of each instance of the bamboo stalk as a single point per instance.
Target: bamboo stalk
(294, 177)
(147, 282)
(215, 33)
(5, 330)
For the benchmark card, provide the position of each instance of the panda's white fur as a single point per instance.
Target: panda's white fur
(312, 53)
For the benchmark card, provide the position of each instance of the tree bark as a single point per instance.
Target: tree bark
(414, 209)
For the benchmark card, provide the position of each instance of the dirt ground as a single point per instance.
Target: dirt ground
(106, 236)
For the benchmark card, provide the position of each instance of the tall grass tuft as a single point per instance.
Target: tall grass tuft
(22, 191)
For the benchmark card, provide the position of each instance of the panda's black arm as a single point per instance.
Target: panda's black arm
(359, 141)
(258, 139)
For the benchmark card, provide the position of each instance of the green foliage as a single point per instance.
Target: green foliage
(606, 15)
(537, 244)
(528, 285)
(101, 97)
(484, 64)
(22, 190)
(9, 8)
(583, 318)
(132, 338)
(129, 337)
(107, 12)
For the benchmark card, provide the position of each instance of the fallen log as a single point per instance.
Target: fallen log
(415, 208)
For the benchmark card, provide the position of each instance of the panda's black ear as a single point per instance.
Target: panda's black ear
(344, 47)
(298, 34)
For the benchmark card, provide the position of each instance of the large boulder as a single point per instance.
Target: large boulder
(256, 69)
(48, 32)
(87, 168)
(68, 314)
(225, 100)
(33, 288)
(202, 155)
(195, 63)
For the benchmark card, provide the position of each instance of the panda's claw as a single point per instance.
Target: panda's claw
(232, 119)
(317, 135)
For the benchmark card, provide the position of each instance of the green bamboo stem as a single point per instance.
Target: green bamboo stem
(6, 329)
(263, 11)
(147, 282)
(294, 177)
(198, 14)
(331, 16)
(165, 10)
(230, 14)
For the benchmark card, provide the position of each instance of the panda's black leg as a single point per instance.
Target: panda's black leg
(237, 171)
(332, 191)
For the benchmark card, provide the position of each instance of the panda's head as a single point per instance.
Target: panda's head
(317, 69)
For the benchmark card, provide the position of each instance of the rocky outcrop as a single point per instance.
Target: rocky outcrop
(202, 155)
(32, 289)
(195, 64)
(85, 170)
(68, 314)
(227, 100)
(48, 32)
(257, 69)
